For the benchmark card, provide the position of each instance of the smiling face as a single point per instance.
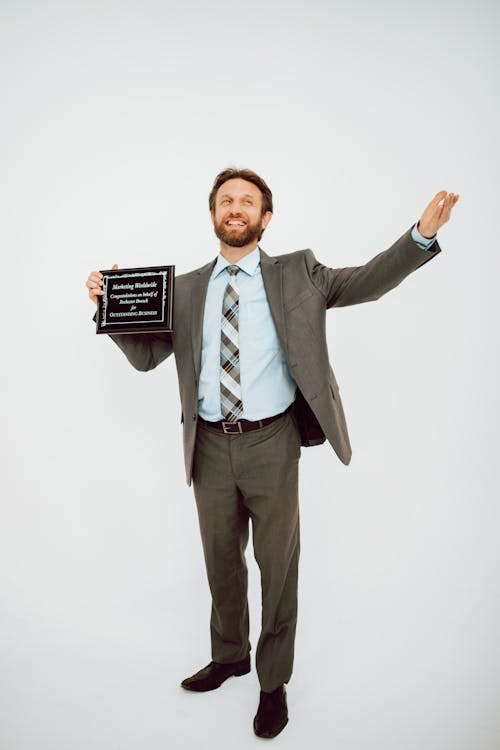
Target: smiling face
(238, 219)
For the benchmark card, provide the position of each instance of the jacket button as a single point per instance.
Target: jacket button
(194, 417)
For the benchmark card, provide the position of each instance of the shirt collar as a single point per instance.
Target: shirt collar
(248, 264)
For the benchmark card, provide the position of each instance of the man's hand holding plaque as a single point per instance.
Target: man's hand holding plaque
(133, 300)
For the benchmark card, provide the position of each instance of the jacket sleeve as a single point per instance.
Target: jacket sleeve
(356, 284)
(144, 351)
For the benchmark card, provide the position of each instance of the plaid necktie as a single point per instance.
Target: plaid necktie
(230, 387)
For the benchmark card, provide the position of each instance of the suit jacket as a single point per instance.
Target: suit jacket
(299, 291)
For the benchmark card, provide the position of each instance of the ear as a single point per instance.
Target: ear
(266, 218)
(212, 216)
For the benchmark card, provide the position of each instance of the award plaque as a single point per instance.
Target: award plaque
(136, 300)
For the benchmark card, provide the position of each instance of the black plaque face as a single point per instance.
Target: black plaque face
(136, 300)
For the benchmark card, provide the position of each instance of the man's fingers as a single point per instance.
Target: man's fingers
(438, 200)
(450, 201)
(434, 208)
(437, 212)
(444, 209)
(448, 205)
(95, 282)
(442, 201)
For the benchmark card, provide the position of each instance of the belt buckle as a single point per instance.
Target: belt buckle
(227, 425)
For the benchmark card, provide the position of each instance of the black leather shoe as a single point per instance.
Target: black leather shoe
(272, 714)
(213, 675)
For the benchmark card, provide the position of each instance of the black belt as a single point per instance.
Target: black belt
(243, 425)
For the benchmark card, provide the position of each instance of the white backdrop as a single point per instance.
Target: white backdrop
(116, 116)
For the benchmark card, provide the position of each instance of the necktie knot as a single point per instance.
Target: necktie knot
(233, 270)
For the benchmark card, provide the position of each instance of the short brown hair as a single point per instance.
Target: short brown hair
(232, 173)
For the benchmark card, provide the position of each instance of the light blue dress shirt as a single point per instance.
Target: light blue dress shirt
(267, 386)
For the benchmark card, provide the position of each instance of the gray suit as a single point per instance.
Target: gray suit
(299, 291)
(254, 475)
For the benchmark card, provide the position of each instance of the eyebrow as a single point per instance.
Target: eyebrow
(247, 195)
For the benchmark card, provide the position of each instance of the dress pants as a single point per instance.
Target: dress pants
(238, 477)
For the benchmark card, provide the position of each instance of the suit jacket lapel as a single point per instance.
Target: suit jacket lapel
(198, 296)
(272, 276)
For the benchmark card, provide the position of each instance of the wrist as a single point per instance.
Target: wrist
(425, 232)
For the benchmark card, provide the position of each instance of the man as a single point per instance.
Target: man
(255, 384)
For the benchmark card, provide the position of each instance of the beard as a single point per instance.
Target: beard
(238, 237)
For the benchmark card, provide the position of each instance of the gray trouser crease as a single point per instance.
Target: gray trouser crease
(236, 478)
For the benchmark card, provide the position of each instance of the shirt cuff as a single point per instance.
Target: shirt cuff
(423, 242)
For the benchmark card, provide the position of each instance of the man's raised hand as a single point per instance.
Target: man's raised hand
(94, 284)
(437, 213)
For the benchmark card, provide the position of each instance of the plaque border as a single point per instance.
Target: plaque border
(167, 309)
